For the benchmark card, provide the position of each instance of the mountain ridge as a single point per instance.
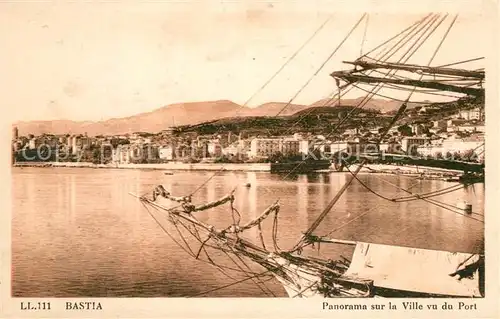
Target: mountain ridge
(188, 113)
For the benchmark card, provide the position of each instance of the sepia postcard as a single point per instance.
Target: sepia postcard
(237, 159)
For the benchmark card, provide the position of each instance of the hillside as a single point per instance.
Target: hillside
(179, 114)
(317, 119)
(383, 106)
(274, 108)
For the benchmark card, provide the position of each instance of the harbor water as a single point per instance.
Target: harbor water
(77, 232)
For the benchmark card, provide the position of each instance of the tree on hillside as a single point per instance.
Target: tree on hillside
(405, 130)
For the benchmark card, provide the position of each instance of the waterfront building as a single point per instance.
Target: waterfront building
(409, 144)
(454, 145)
(166, 152)
(303, 146)
(265, 147)
(214, 149)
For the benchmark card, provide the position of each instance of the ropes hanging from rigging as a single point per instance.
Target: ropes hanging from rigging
(413, 31)
(402, 109)
(462, 62)
(364, 35)
(416, 197)
(310, 79)
(174, 219)
(323, 64)
(288, 61)
(233, 244)
(383, 55)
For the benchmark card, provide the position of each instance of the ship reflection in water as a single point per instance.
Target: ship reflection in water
(77, 232)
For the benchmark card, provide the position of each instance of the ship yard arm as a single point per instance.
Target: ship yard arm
(306, 236)
(368, 65)
(352, 77)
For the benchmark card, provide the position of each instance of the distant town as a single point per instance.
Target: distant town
(459, 135)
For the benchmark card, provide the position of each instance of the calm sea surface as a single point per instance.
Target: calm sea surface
(78, 232)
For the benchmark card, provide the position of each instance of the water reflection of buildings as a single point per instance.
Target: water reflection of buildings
(321, 192)
(302, 201)
(252, 194)
(211, 196)
(72, 198)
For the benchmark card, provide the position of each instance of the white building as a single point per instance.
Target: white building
(265, 147)
(166, 152)
(474, 114)
(32, 144)
(214, 149)
(453, 145)
(411, 143)
(231, 150)
(304, 146)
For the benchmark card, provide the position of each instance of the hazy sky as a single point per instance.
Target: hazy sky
(95, 61)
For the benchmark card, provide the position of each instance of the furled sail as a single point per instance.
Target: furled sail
(402, 268)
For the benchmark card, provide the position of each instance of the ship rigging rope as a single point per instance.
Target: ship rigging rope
(406, 56)
(415, 30)
(384, 55)
(421, 91)
(432, 58)
(256, 276)
(174, 218)
(181, 246)
(417, 196)
(438, 192)
(434, 79)
(389, 97)
(461, 62)
(364, 35)
(402, 109)
(262, 274)
(323, 64)
(348, 222)
(397, 35)
(307, 83)
(259, 281)
(288, 61)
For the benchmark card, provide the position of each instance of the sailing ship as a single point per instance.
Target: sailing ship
(374, 270)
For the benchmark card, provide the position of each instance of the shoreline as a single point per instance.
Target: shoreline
(247, 167)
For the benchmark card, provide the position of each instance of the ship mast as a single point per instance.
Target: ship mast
(361, 65)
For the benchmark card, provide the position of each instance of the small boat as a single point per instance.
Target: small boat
(168, 173)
